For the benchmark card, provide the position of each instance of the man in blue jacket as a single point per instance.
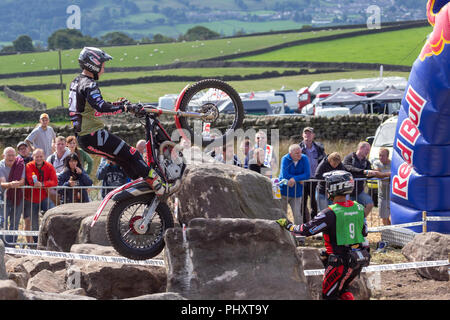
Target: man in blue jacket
(294, 168)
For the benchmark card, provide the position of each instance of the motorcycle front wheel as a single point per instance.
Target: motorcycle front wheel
(215, 97)
(125, 235)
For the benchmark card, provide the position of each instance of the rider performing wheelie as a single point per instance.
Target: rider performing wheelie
(86, 106)
(343, 227)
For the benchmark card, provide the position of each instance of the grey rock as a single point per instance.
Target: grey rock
(236, 259)
(60, 225)
(47, 281)
(430, 246)
(9, 290)
(118, 281)
(226, 191)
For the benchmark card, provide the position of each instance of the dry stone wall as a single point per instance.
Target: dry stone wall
(23, 100)
(351, 127)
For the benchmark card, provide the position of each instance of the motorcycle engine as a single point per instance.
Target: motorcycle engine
(173, 171)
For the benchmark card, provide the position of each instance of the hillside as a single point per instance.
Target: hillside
(397, 47)
(145, 18)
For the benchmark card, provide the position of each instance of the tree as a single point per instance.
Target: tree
(117, 38)
(200, 33)
(161, 38)
(23, 44)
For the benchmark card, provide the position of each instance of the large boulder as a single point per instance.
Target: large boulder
(310, 258)
(216, 190)
(114, 280)
(47, 281)
(236, 259)
(430, 246)
(60, 225)
(118, 281)
(96, 234)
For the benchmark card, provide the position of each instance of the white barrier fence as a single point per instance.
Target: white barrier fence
(161, 263)
(20, 214)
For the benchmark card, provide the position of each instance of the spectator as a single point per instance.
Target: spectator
(315, 153)
(42, 175)
(329, 163)
(57, 158)
(246, 148)
(72, 176)
(12, 176)
(270, 159)
(83, 156)
(228, 156)
(24, 152)
(111, 174)
(257, 163)
(141, 146)
(42, 137)
(358, 165)
(294, 168)
(383, 166)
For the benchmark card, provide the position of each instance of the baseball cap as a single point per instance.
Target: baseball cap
(44, 115)
(21, 143)
(309, 129)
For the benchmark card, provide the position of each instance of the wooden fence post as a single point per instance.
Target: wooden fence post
(424, 221)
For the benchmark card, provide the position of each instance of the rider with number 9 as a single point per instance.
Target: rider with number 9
(343, 227)
(86, 106)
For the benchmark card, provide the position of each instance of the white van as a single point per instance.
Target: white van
(384, 138)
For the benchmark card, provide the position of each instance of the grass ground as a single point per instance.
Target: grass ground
(154, 54)
(204, 72)
(398, 47)
(152, 91)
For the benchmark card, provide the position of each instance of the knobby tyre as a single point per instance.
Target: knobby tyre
(230, 119)
(130, 244)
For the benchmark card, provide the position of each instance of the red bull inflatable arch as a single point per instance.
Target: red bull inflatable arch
(420, 179)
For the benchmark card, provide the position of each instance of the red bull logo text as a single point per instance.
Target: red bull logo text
(441, 31)
(406, 152)
(416, 104)
(400, 181)
(409, 131)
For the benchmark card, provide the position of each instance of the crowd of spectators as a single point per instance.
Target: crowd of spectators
(44, 160)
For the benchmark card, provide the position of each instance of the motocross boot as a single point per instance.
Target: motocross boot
(157, 184)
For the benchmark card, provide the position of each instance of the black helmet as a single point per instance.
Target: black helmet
(339, 182)
(91, 59)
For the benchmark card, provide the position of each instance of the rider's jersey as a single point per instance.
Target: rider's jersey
(334, 228)
(86, 105)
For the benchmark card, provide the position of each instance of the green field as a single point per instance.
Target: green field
(396, 47)
(155, 54)
(152, 91)
(204, 72)
(7, 104)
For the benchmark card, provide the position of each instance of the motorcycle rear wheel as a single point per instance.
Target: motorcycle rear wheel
(126, 240)
(217, 95)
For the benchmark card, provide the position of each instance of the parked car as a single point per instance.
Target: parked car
(383, 138)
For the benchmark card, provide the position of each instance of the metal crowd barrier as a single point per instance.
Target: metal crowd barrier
(309, 189)
(20, 218)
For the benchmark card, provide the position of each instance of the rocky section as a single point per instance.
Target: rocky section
(211, 190)
(236, 259)
(430, 246)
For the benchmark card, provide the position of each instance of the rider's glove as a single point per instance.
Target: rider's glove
(285, 223)
(121, 102)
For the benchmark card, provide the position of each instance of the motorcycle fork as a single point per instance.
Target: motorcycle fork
(149, 214)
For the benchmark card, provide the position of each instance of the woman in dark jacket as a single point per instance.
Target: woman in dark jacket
(329, 163)
(72, 176)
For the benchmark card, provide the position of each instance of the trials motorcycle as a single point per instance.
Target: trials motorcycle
(138, 219)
